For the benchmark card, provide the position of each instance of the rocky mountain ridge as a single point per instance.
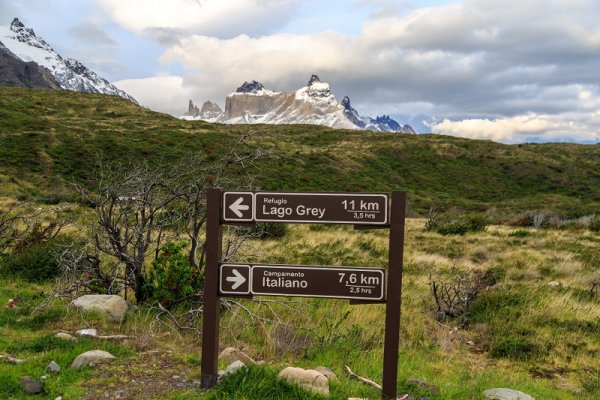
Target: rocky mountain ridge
(16, 72)
(312, 104)
(67, 73)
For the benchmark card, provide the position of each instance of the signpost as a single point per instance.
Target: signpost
(357, 284)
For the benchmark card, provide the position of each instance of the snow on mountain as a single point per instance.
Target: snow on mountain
(16, 72)
(312, 104)
(69, 73)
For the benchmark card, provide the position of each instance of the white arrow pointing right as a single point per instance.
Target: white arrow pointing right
(237, 280)
(237, 207)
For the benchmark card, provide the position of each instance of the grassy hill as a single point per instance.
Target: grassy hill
(50, 137)
(534, 326)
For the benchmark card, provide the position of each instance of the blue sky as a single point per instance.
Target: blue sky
(510, 71)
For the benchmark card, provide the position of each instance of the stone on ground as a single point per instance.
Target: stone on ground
(308, 379)
(422, 383)
(87, 332)
(65, 336)
(231, 354)
(233, 367)
(111, 305)
(53, 368)
(91, 358)
(505, 394)
(32, 386)
(327, 372)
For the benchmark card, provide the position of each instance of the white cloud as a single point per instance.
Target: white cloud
(208, 17)
(511, 70)
(523, 128)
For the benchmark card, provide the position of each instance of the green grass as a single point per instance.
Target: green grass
(49, 138)
(527, 335)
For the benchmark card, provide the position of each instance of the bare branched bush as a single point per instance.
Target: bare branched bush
(10, 217)
(453, 296)
(141, 208)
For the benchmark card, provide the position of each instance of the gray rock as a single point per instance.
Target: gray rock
(308, 379)
(32, 386)
(505, 394)
(53, 368)
(327, 372)
(87, 332)
(233, 367)
(91, 358)
(553, 284)
(231, 354)
(422, 383)
(112, 306)
(65, 336)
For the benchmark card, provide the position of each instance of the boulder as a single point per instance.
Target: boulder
(231, 354)
(91, 358)
(65, 336)
(53, 368)
(327, 372)
(505, 394)
(113, 306)
(233, 367)
(32, 386)
(308, 379)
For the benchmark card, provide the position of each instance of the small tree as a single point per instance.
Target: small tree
(195, 175)
(128, 204)
(139, 209)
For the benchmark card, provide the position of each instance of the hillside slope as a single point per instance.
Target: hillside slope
(48, 138)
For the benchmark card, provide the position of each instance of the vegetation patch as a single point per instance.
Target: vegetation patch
(456, 223)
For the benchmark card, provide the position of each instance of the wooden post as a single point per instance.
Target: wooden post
(210, 321)
(394, 295)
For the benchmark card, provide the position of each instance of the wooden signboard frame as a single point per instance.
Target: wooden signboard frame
(227, 208)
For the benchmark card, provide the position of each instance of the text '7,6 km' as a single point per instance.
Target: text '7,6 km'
(332, 208)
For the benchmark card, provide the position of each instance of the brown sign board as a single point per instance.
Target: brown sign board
(325, 208)
(303, 281)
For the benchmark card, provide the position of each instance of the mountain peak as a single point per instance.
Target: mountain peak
(16, 24)
(346, 103)
(68, 73)
(250, 87)
(313, 78)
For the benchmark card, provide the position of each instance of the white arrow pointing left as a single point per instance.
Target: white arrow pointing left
(237, 280)
(237, 207)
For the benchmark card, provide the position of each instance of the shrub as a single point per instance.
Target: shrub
(172, 279)
(534, 219)
(516, 348)
(595, 223)
(519, 233)
(456, 223)
(454, 296)
(270, 230)
(37, 262)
